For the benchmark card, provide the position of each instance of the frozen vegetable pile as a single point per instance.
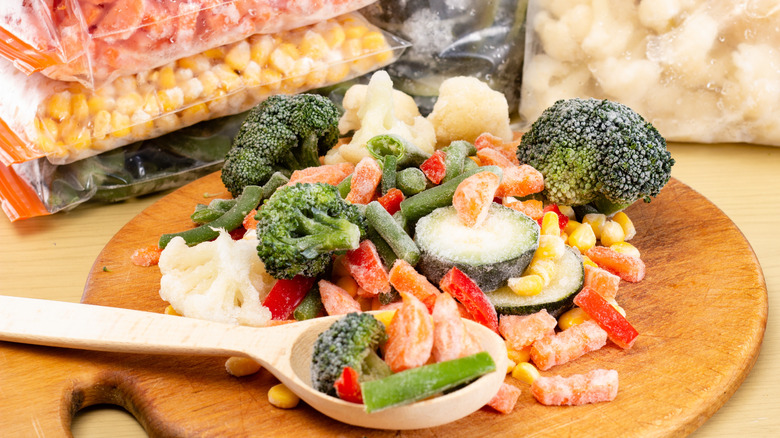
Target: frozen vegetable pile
(426, 236)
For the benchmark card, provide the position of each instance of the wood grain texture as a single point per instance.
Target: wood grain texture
(701, 313)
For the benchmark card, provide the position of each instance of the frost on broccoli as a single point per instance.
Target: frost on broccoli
(596, 151)
(351, 341)
(301, 226)
(284, 133)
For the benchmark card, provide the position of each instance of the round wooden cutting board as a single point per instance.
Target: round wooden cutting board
(701, 313)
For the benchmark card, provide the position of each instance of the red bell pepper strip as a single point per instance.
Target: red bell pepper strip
(285, 295)
(366, 267)
(618, 329)
(434, 167)
(348, 387)
(391, 201)
(465, 290)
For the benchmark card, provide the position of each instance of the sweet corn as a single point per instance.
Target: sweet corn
(612, 233)
(281, 397)
(568, 212)
(542, 267)
(518, 356)
(626, 223)
(596, 221)
(527, 285)
(510, 366)
(572, 317)
(169, 310)
(550, 224)
(385, 317)
(626, 248)
(582, 238)
(525, 372)
(550, 246)
(227, 80)
(241, 366)
(587, 261)
(570, 226)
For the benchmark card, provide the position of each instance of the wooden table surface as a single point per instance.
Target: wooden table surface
(50, 257)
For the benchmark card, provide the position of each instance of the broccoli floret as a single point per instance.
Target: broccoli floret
(596, 151)
(351, 341)
(301, 226)
(284, 133)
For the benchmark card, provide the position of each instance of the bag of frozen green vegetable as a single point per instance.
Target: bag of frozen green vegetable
(454, 38)
(37, 187)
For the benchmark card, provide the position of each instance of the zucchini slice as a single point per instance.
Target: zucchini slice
(497, 250)
(557, 297)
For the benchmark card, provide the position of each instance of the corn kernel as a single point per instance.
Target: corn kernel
(229, 79)
(354, 30)
(572, 317)
(167, 78)
(318, 75)
(171, 311)
(252, 74)
(596, 221)
(281, 397)
(626, 248)
(239, 56)
(550, 224)
(215, 53)
(544, 268)
(352, 49)
(101, 124)
(261, 49)
(171, 99)
(194, 113)
(196, 63)
(385, 57)
(129, 102)
(374, 41)
(167, 122)
(611, 233)
(313, 45)
(219, 103)
(80, 107)
(297, 77)
(58, 106)
(271, 79)
(587, 261)
(348, 284)
(120, 124)
(583, 238)
(209, 81)
(97, 103)
(567, 211)
(525, 372)
(510, 365)
(192, 90)
(337, 72)
(620, 310)
(141, 124)
(571, 225)
(527, 285)
(518, 356)
(183, 75)
(241, 366)
(626, 223)
(335, 36)
(75, 135)
(282, 61)
(124, 84)
(550, 247)
(385, 317)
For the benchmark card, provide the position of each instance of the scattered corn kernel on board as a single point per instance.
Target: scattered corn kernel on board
(701, 313)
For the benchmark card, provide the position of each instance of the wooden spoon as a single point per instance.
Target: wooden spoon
(283, 350)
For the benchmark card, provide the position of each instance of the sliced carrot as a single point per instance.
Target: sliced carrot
(532, 208)
(406, 279)
(366, 267)
(329, 174)
(449, 332)
(520, 331)
(568, 345)
(629, 268)
(365, 180)
(121, 20)
(490, 156)
(520, 181)
(507, 148)
(473, 196)
(146, 256)
(410, 335)
(602, 281)
(578, 389)
(336, 300)
(505, 399)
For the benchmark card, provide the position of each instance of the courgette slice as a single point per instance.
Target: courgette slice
(497, 250)
(557, 297)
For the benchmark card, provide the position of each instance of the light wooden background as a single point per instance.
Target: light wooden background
(50, 257)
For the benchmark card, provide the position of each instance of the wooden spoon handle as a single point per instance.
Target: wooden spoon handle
(102, 328)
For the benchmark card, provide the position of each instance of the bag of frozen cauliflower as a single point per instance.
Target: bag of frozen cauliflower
(699, 70)
(66, 121)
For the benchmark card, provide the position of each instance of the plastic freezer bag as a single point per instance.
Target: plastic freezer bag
(93, 41)
(484, 39)
(700, 71)
(66, 122)
(37, 187)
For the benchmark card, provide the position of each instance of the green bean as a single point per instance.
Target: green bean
(391, 231)
(411, 181)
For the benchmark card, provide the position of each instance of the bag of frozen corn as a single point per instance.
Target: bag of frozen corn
(66, 121)
(94, 41)
(700, 71)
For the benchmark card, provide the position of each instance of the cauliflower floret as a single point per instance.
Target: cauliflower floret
(547, 80)
(466, 108)
(404, 107)
(627, 80)
(561, 38)
(658, 14)
(612, 31)
(375, 114)
(222, 280)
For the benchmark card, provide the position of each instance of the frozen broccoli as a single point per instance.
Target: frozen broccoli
(301, 226)
(596, 151)
(351, 341)
(284, 133)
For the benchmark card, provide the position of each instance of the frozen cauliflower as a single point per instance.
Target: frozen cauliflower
(222, 280)
(379, 109)
(466, 108)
